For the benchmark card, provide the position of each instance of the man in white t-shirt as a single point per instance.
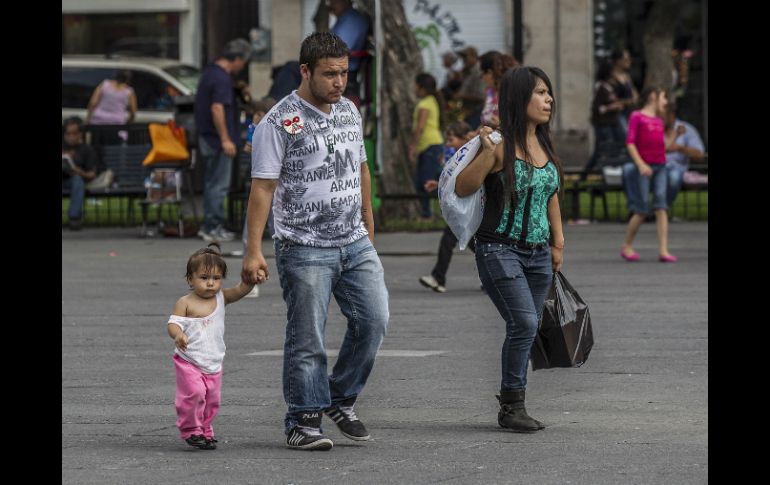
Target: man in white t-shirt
(312, 164)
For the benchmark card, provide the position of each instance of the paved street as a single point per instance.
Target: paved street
(637, 412)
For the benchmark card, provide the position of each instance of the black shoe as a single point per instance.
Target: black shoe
(211, 444)
(199, 441)
(301, 439)
(306, 435)
(513, 415)
(75, 225)
(346, 420)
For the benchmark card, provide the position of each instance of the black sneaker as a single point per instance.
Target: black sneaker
(305, 439)
(346, 420)
(200, 441)
(211, 444)
(306, 435)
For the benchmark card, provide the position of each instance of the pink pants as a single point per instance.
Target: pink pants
(197, 399)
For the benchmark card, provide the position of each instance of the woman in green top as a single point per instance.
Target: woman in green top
(427, 144)
(519, 243)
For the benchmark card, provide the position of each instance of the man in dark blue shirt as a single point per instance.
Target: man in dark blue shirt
(218, 135)
(352, 27)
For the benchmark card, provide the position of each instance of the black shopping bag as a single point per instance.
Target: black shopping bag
(564, 337)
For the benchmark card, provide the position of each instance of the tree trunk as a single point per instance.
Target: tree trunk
(658, 40)
(401, 62)
(321, 17)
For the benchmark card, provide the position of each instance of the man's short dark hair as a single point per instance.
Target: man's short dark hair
(320, 45)
(72, 120)
(237, 48)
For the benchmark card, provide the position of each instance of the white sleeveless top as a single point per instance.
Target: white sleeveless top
(205, 338)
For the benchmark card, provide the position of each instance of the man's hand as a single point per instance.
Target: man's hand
(228, 147)
(254, 270)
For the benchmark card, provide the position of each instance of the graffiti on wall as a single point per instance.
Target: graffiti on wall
(436, 30)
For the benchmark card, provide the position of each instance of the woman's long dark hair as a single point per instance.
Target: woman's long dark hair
(516, 90)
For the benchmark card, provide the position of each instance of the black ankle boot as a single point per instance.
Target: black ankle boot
(513, 415)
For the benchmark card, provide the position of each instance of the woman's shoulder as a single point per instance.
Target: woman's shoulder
(427, 101)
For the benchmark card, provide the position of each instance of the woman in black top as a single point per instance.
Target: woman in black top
(606, 109)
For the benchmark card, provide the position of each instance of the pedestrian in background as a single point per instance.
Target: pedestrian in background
(215, 122)
(646, 145)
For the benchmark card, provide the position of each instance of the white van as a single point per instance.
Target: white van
(156, 82)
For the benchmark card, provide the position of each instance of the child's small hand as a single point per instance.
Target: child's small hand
(181, 341)
(261, 276)
(430, 185)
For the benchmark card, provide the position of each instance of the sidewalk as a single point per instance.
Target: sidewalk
(636, 412)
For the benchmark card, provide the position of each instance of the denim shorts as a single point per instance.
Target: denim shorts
(638, 188)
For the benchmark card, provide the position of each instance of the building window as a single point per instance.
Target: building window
(146, 34)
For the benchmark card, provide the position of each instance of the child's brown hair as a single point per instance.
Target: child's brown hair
(208, 257)
(458, 129)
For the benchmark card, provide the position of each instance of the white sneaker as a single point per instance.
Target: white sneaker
(254, 293)
(222, 234)
(430, 282)
(206, 236)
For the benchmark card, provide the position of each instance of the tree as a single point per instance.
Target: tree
(401, 61)
(658, 41)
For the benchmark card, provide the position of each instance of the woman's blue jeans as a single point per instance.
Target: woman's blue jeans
(309, 277)
(428, 168)
(675, 174)
(517, 280)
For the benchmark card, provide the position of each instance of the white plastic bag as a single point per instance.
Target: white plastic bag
(462, 214)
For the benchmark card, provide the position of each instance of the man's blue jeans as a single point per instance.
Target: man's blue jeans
(517, 280)
(216, 184)
(309, 277)
(77, 188)
(675, 176)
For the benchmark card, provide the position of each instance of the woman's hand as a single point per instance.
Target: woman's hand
(557, 256)
(645, 170)
(412, 151)
(486, 143)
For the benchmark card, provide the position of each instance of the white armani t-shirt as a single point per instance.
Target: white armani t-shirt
(317, 160)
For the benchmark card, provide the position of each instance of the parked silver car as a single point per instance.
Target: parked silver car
(156, 82)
